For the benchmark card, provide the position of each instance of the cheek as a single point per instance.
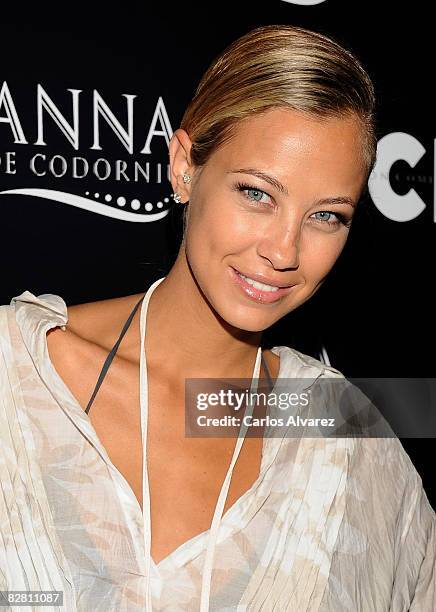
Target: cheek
(215, 227)
(319, 253)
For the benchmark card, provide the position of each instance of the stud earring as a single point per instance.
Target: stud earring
(176, 197)
(186, 178)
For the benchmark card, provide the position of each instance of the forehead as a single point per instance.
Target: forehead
(283, 140)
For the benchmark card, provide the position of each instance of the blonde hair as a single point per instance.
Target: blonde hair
(278, 66)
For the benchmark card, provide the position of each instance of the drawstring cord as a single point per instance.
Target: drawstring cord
(143, 385)
(216, 521)
(214, 530)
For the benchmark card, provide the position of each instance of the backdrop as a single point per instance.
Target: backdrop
(89, 100)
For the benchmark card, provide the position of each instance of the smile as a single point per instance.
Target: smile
(258, 285)
(260, 292)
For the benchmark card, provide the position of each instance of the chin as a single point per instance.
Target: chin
(245, 319)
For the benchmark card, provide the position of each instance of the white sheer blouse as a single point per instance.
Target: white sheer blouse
(331, 524)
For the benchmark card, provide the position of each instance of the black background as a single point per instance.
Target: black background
(373, 315)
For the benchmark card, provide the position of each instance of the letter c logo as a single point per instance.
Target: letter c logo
(391, 148)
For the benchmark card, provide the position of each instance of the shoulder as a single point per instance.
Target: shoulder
(101, 322)
(88, 324)
(379, 455)
(27, 313)
(295, 363)
(30, 306)
(76, 354)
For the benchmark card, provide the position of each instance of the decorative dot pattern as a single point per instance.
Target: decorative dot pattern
(135, 204)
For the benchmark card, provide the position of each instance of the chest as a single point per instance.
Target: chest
(185, 474)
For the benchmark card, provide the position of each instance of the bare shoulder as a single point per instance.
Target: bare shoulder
(91, 331)
(101, 322)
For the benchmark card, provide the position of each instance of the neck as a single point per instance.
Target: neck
(186, 337)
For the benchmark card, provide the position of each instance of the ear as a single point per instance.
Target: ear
(180, 162)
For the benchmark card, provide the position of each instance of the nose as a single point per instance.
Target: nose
(280, 244)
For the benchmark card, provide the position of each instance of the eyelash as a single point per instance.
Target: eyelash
(340, 218)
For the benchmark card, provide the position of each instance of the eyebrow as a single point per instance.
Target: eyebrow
(282, 189)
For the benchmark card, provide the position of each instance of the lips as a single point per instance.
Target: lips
(262, 279)
(264, 297)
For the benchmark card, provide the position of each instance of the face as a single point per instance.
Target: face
(273, 205)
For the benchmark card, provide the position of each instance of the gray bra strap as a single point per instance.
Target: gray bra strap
(112, 355)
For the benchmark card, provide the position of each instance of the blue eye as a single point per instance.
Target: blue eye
(339, 218)
(255, 193)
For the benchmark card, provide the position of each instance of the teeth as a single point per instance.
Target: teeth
(259, 286)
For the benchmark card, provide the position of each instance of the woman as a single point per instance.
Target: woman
(270, 161)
